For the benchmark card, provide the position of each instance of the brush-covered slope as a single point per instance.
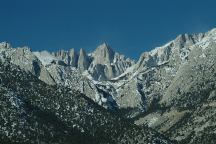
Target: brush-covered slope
(35, 112)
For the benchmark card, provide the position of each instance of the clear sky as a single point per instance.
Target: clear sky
(128, 26)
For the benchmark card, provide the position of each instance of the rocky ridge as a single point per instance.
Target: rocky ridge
(165, 89)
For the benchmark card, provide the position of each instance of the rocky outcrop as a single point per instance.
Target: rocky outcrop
(25, 59)
(103, 55)
(69, 57)
(83, 60)
(107, 64)
(5, 45)
(73, 58)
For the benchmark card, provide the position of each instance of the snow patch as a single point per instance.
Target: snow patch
(45, 57)
(152, 121)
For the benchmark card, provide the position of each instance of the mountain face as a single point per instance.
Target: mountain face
(107, 64)
(170, 89)
(186, 90)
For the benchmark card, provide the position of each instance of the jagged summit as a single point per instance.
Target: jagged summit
(177, 49)
(103, 54)
(103, 63)
(83, 60)
(73, 57)
(105, 47)
(188, 39)
(5, 45)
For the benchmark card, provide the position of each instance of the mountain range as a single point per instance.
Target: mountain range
(167, 96)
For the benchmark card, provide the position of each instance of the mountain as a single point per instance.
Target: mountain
(79, 71)
(185, 86)
(170, 89)
(35, 112)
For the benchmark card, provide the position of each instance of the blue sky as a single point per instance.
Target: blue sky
(128, 26)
